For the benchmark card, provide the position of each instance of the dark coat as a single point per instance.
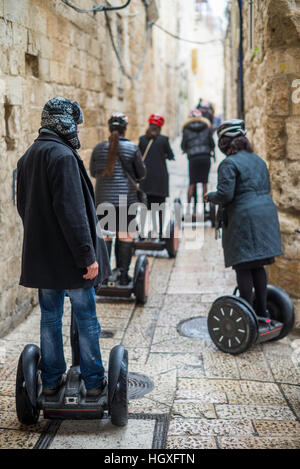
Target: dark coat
(156, 182)
(197, 139)
(109, 189)
(251, 228)
(56, 204)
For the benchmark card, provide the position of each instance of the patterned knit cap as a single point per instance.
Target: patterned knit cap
(62, 117)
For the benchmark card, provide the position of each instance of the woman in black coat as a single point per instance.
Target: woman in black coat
(250, 227)
(117, 164)
(156, 149)
(197, 142)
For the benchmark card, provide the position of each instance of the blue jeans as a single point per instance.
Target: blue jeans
(52, 352)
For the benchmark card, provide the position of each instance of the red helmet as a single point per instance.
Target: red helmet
(156, 119)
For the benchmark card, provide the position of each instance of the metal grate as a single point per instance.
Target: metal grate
(138, 385)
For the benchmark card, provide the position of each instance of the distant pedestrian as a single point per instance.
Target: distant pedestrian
(62, 254)
(156, 149)
(250, 227)
(197, 142)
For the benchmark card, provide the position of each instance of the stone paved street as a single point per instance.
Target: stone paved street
(211, 399)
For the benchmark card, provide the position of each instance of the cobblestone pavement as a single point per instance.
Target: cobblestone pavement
(210, 399)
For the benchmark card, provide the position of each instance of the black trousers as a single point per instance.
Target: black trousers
(153, 199)
(256, 278)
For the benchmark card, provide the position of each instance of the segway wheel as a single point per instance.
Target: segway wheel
(172, 239)
(232, 325)
(178, 210)
(281, 309)
(141, 279)
(212, 214)
(27, 413)
(118, 386)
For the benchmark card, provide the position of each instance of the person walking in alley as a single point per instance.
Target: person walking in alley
(250, 226)
(117, 165)
(62, 254)
(156, 150)
(197, 142)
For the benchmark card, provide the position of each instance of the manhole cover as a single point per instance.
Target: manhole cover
(195, 328)
(106, 335)
(138, 385)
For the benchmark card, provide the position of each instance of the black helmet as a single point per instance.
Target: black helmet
(232, 128)
(118, 119)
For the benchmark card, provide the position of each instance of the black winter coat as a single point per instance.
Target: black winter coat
(197, 139)
(156, 182)
(55, 200)
(251, 228)
(109, 189)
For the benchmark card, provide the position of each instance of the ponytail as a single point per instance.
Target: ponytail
(112, 154)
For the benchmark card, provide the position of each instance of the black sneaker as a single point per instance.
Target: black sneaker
(94, 394)
(53, 391)
(125, 279)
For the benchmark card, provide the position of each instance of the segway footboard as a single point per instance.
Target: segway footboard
(232, 324)
(282, 314)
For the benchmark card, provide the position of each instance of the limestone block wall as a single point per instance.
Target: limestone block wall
(272, 114)
(47, 49)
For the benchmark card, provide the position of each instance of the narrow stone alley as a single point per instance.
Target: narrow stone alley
(197, 396)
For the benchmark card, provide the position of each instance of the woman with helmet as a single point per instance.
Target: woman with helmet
(198, 143)
(156, 149)
(117, 164)
(250, 227)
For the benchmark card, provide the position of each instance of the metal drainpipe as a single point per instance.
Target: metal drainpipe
(251, 24)
(241, 68)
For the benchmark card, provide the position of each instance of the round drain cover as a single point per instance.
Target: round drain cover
(138, 385)
(195, 328)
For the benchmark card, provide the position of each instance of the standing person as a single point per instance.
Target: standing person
(250, 229)
(62, 253)
(197, 142)
(156, 149)
(117, 164)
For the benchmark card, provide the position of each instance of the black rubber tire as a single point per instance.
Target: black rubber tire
(171, 241)
(118, 407)
(27, 414)
(141, 279)
(212, 214)
(178, 210)
(281, 309)
(232, 325)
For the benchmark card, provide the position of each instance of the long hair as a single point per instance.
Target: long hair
(153, 131)
(230, 146)
(113, 151)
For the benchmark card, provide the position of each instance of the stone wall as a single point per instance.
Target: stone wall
(47, 49)
(272, 113)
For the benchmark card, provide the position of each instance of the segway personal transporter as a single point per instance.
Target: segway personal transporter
(137, 287)
(70, 401)
(170, 240)
(234, 326)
